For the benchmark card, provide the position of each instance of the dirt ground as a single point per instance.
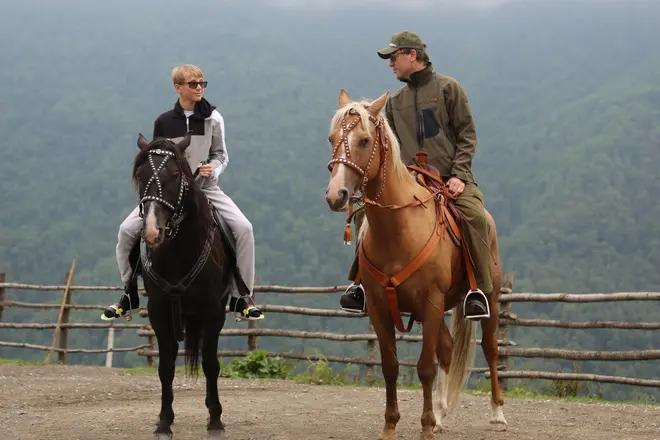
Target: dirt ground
(80, 403)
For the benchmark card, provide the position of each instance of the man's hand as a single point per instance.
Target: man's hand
(205, 169)
(456, 186)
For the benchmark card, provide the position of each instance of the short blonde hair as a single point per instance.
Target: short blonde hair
(179, 73)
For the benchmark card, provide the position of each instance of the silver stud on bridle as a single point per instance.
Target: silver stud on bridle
(172, 226)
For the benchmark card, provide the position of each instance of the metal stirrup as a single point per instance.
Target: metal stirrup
(470, 294)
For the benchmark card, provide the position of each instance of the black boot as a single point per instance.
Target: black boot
(353, 299)
(476, 305)
(129, 300)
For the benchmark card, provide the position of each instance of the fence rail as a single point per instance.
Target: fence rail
(507, 348)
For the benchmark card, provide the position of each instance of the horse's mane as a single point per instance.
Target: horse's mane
(361, 108)
(196, 204)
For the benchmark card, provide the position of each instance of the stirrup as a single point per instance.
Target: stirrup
(244, 315)
(362, 308)
(476, 294)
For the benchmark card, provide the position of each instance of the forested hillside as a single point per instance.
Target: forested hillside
(566, 98)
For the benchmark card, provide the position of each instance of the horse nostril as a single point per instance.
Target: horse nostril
(343, 194)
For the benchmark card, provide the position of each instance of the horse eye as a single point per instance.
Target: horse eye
(364, 142)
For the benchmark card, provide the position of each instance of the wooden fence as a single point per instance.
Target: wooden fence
(507, 348)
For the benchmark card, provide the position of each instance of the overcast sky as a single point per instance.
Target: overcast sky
(480, 4)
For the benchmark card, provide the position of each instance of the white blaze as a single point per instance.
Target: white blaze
(151, 230)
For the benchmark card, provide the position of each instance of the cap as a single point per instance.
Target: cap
(402, 40)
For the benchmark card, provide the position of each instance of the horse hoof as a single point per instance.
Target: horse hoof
(427, 435)
(215, 430)
(499, 425)
(497, 418)
(163, 432)
(437, 428)
(215, 434)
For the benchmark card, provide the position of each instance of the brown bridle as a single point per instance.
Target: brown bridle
(379, 144)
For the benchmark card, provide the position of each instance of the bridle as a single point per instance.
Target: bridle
(379, 144)
(172, 225)
(175, 291)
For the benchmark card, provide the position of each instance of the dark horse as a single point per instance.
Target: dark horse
(186, 266)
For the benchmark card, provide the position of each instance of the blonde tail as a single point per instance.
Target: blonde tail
(462, 356)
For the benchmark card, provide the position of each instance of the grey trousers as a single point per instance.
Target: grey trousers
(130, 229)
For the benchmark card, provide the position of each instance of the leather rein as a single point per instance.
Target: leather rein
(390, 283)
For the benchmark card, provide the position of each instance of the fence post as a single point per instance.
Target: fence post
(111, 345)
(64, 314)
(370, 370)
(2, 294)
(64, 332)
(252, 339)
(503, 330)
(151, 340)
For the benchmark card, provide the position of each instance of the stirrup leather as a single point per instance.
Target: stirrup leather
(472, 294)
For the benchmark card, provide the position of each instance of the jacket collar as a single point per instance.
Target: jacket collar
(203, 109)
(421, 77)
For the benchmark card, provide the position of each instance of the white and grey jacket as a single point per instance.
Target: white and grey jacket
(208, 136)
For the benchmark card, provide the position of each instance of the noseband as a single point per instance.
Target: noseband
(172, 226)
(379, 144)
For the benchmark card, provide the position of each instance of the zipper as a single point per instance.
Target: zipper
(187, 125)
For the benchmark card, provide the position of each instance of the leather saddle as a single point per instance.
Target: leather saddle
(429, 177)
(230, 246)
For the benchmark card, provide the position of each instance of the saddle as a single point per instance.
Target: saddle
(448, 216)
(227, 237)
(429, 177)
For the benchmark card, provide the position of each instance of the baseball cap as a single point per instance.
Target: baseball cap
(402, 40)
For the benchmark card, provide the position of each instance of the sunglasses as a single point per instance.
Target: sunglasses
(194, 84)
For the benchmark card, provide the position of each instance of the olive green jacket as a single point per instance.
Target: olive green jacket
(444, 126)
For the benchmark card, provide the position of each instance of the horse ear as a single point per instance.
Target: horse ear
(376, 106)
(185, 142)
(142, 142)
(344, 99)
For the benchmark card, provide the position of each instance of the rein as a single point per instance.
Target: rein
(381, 144)
(175, 291)
(437, 191)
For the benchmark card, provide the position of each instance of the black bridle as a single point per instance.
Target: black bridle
(172, 226)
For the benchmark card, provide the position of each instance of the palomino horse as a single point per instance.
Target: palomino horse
(186, 266)
(409, 263)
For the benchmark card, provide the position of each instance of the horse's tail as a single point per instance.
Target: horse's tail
(192, 346)
(463, 355)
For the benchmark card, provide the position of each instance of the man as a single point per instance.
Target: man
(193, 113)
(431, 112)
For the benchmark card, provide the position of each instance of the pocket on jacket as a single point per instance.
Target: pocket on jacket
(428, 123)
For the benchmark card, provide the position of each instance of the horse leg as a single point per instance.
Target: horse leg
(489, 347)
(390, 367)
(440, 408)
(167, 353)
(211, 368)
(426, 364)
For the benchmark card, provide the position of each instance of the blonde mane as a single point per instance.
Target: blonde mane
(400, 169)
